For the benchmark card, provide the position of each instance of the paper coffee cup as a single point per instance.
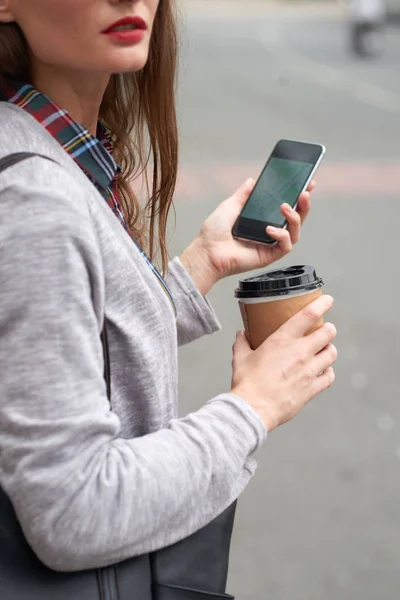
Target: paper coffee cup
(267, 301)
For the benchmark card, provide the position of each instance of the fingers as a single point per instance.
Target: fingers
(318, 340)
(282, 236)
(294, 219)
(293, 222)
(241, 347)
(324, 360)
(307, 318)
(323, 382)
(304, 205)
(311, 186)
(302, 210)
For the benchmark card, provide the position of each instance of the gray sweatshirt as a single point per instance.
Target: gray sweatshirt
(90, 485)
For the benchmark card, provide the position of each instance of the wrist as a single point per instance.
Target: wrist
(197, 264)
(258, 407)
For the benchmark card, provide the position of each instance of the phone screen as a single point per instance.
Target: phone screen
(282, 180)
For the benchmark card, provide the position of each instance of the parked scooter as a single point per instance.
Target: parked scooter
(367, 20)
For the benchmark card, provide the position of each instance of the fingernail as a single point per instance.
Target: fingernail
(272, 229)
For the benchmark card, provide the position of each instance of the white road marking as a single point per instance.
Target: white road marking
(329, 77)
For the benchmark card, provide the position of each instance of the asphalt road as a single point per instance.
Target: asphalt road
(321, 519)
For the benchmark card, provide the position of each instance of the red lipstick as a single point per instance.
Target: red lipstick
(129, 30)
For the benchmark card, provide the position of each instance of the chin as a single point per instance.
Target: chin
(133, 61)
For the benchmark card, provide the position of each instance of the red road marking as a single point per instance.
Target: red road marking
(347, 179)
(341, 180)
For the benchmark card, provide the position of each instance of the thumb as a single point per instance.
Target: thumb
(243, 192)
(241, 347)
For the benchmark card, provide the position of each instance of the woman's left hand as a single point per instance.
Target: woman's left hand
(215, 253)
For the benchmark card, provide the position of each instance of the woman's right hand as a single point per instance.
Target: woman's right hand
(289, 368)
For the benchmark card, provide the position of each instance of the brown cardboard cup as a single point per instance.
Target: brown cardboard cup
(266, 302)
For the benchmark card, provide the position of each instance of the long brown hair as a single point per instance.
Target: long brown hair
(139, 111)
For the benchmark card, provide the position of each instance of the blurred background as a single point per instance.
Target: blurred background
(321, 519)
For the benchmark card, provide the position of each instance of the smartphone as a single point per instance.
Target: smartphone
(286, 175)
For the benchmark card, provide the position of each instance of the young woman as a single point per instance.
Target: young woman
(89, 85)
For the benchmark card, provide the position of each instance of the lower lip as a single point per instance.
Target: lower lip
(129, 36)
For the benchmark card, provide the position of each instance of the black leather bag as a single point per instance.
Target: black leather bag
(194, 569)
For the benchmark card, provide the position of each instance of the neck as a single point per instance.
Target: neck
(79, 94)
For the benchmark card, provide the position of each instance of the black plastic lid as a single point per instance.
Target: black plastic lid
(281, 282)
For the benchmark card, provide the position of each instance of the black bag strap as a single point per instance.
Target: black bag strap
(13, 159)
(106, 354)
(9, 161)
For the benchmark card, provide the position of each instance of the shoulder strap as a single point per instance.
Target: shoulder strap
(10, 161)
(13, 159)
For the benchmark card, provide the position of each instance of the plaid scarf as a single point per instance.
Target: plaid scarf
(92, 154)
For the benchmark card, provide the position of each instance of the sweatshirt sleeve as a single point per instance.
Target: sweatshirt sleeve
(196, 317)
(84, 496)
